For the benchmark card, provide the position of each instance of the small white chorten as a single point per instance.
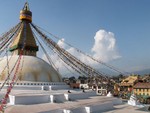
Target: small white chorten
(109, 94)
(133, 100)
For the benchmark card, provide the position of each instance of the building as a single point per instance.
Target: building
(128, 83)
(146, 78)
(142, 90)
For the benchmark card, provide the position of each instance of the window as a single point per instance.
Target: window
(136, 89)
(139, 89)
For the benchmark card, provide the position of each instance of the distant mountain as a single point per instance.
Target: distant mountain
(142, 72)
(108, 72)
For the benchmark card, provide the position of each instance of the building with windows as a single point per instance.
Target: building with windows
(142, 89)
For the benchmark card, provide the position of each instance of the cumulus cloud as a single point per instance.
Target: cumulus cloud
(61, 43)
(104, 49)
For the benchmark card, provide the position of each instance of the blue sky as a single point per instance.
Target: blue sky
(77, 21)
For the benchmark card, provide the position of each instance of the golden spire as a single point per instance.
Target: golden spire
(25, 36)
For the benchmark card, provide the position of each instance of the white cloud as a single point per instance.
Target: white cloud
(61, 43)
(104, 49)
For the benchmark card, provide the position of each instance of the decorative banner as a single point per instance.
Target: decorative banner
(4, 100)
(68, 58)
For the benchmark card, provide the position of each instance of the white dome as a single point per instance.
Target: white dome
(30, 69)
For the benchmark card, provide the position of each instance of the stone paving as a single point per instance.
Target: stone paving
(125, 108)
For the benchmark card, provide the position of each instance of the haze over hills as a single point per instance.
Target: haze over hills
(109, 72)
(142, 72)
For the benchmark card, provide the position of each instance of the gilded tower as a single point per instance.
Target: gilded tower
(25, 38)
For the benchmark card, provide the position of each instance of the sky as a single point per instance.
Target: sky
(114, 31)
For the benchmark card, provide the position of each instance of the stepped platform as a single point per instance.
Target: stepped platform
(55, 98)
(58, 101)
(92, 104)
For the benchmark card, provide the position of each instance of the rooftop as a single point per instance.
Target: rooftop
(142, 85)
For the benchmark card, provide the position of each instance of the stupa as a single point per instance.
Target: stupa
(33, 69)
(31, 72)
